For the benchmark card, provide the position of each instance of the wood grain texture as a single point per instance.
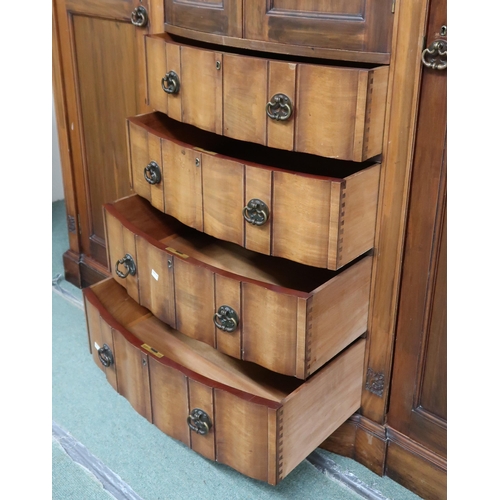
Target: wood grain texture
(269, 328)
(242, 435)
(356, 25)
(358, 210)
(321, 405)
(156, 286)
(183, 184)
(169, 398)
(194, 299)
(245, 92)
(301, 218)
(145, 148)
(200, 86)
(228, 293)
(281, 80)
(258, 185)
(156, 70)
(201, 396)
(399, 129)
(415, 473)
(223, 198)
(120, 242)
(338, 313)
(222, 17)
(132, 373)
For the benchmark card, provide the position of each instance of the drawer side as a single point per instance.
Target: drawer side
(319, 406)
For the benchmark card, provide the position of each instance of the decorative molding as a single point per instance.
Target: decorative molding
(375, 382)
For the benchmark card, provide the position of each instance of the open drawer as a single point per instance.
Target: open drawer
(260, 423)
(313, 210)
(285, 316)
(336, 111)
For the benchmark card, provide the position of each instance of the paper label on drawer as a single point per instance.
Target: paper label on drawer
(154, 274)
(96, 345)
(152, 350)
(180, 254)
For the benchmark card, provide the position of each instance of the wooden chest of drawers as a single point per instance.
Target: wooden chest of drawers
(231, 59)
(242, 264)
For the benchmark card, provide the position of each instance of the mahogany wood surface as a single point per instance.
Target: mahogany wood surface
(419, 384)
(180, 271)
(359, 31)
(314, 219)
(331, 105)
(247, 432)
(95, 46)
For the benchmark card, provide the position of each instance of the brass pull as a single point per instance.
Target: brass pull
(152, 173)
(105, 355)
(129, 265)
(256, 212)
(226, 319)
(199, 422)
(435, 56)
(172, 82)
(139, 17)
(279, 108)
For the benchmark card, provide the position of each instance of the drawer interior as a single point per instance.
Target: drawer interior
(248, 153)
(166, 232)
(190, 353)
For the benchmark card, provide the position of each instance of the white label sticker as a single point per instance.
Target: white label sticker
(154, 274)
(96, 345)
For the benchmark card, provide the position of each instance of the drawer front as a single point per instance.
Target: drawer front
(222, 17)
(242, 307)
(315, 220)
(336, 112)
(262, 438)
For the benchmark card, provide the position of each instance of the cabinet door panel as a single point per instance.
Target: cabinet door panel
(223, 17)
(357, 25)
(102, 64)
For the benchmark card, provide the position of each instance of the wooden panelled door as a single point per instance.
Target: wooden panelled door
(418, 400)
(99, 80)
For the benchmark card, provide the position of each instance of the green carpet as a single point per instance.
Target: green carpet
(152, 464)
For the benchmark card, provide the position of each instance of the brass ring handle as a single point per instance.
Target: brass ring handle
(139, 17)
(105, 355)
(226, 319)
(152, 173)
(435, 56)
(279, 107)
(173, 84)
(129, 265)
(256, 212)
(199, 422)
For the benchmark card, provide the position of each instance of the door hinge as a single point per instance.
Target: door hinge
(393, 8)
(79, 224)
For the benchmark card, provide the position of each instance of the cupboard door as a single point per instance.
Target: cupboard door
(223, 17)
(100, 60)
(354, 25)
